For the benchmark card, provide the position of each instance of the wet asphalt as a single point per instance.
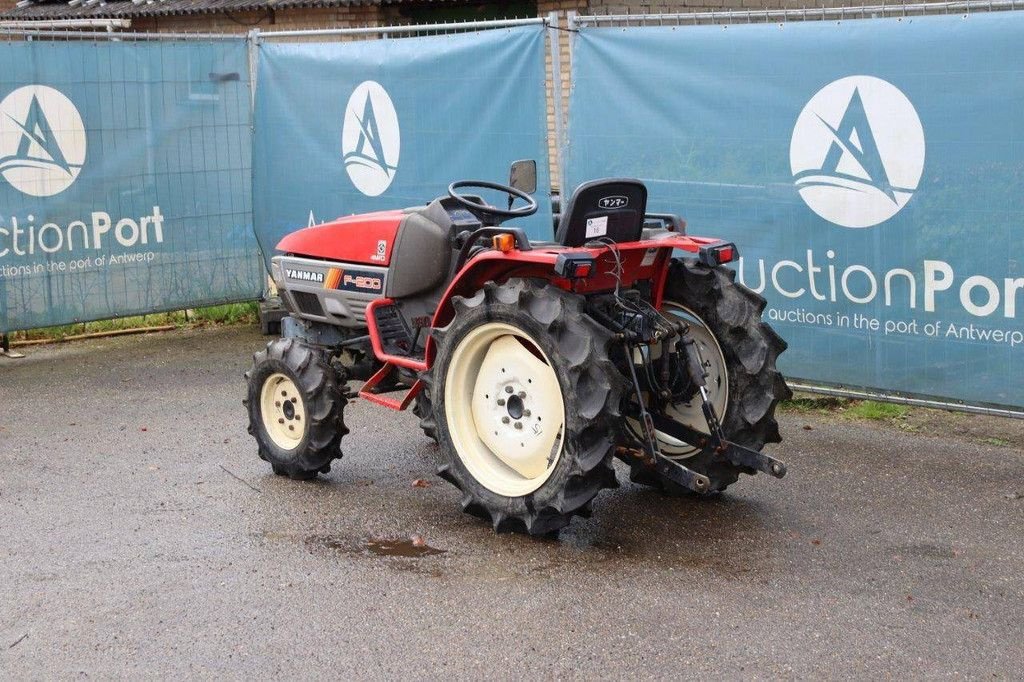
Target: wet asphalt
(140, 536)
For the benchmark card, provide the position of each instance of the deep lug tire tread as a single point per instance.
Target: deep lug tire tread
(423, 408)
(324, 398)
(751, 348)
(579, 349)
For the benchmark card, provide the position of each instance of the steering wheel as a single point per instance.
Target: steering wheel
(484, 211)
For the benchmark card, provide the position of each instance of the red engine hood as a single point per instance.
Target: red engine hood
(366, 238)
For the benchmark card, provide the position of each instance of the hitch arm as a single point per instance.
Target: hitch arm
(688, 478)
(737, 454)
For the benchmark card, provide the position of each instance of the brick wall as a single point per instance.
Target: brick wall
(6, 5)
(242, 22)
(562, 9)
(682, 6)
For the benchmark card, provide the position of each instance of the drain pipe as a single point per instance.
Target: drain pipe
(67, 24)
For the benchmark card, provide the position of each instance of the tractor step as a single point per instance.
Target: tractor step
(395, 336)
(370, 392)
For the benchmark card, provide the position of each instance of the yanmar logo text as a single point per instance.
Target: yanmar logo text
(305, 275)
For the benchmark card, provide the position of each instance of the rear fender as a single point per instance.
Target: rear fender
(491, 266)
(642, 260)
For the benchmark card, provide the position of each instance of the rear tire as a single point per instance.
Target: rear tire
(558, 361)
(750, 349)
(296, 409)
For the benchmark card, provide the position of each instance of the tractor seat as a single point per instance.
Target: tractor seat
(611, 208)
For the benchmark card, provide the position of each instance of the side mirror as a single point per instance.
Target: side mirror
(523, 176)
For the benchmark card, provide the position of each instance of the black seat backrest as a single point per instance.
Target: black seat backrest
(612, 208)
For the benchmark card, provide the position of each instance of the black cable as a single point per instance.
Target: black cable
(246, 23)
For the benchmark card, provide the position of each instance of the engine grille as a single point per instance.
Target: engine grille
(308, 303)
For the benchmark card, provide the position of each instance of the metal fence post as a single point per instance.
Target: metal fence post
(5, 348)
(252, 40)
(573, 26)
(840, 12)
(252, 47)
(555, 45)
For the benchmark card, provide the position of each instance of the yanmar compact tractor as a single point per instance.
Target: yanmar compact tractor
(532, 364)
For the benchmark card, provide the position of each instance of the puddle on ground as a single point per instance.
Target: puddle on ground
(404, 548)
(927, 551)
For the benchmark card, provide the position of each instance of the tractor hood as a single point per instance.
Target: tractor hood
(366, 239)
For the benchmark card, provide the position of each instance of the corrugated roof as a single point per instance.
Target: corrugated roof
(117, 9)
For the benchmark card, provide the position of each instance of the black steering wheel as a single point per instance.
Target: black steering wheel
(486, 211)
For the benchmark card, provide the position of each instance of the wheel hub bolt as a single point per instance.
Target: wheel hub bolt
(504, 420)
(519, 425)
(526, 413)
(522, 394)
(280, 420)
(508, 389)
(501, 402)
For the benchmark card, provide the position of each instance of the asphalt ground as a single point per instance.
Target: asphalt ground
(140, 536)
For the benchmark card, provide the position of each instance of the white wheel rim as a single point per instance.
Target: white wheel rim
(690, 413)
(504, 409)
(283, 411)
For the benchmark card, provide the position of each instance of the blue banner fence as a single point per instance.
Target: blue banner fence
(726, 157)
(403, 119)
(124, 178)
(126, 160)
(869, 170)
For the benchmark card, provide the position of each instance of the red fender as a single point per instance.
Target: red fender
(638, 263)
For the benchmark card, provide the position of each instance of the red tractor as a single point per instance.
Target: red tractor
(531, 364)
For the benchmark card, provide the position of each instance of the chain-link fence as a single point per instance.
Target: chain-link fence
(125, 165)
(864, 159)
(413, 107)
(126, 174)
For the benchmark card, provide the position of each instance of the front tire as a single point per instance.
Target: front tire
(525, 401)
(296, 409)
